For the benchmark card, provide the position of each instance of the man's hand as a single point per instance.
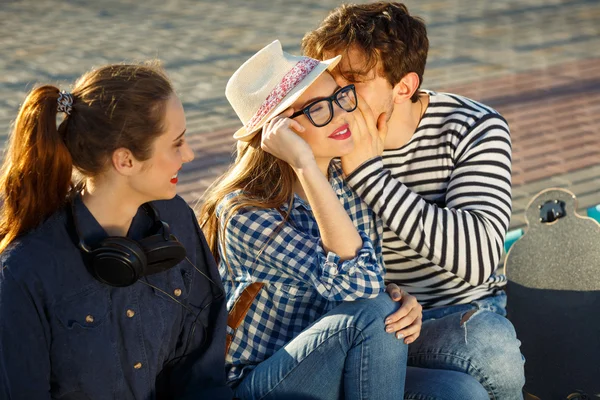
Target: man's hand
(368, 135)
(407, 321)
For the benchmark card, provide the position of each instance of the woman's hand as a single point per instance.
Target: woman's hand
(407, 321)
(280, 140)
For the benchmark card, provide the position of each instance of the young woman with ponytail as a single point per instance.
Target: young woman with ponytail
(107, 286)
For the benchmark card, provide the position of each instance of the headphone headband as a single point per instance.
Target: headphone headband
(121, 261)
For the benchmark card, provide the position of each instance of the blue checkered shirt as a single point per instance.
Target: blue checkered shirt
(301, 281)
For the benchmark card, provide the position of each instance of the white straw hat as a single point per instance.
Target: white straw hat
(269, 83)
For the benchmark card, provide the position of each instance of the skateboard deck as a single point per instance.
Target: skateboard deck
(553, 292)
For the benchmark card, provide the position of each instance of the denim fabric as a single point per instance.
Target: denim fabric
(475, 339)
(438, 384)
(344, 354)
(65, 335)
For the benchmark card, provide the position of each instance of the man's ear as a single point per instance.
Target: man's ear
(124, 162)
(406, 87)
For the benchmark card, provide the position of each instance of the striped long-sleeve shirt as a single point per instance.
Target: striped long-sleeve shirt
(445, 200)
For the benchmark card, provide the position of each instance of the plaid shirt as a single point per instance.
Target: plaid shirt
(301, 281)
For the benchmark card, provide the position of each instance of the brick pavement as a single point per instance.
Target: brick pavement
(536, 61)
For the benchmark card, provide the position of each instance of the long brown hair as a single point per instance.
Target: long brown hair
(265, 182)
(384, 32)
(114, 106)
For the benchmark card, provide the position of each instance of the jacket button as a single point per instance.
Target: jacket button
(130, 313)
(137, 366)
(177, 292)
(89, 319)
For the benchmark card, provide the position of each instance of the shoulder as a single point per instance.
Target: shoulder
(24, 257)
(35, 252)
(465, 112)
(172, 207)
(177, 213)
(240, 217)
(229, 201)
(249, 209)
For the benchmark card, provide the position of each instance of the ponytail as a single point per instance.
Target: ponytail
(114, 106)
(36, 174)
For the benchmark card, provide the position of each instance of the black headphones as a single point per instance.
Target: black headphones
(121, 261)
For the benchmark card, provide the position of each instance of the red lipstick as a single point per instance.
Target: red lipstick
(341, 133)
(176, 179)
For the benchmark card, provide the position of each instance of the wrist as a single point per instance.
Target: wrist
(369, 169)
(351, 163)
(305, 165)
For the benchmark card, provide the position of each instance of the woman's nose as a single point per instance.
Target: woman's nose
(188, 153)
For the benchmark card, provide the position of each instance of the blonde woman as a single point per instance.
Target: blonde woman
(298, 252)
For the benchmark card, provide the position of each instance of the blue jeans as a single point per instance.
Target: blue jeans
(475, 339)
(346, 354)
(440, 384)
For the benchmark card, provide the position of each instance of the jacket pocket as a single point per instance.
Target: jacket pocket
(86, 310)
(83, 353)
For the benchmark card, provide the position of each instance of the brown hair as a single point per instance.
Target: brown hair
(114, 106)
(265, 182)
(384, 32)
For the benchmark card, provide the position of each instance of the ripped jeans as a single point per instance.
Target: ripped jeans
(476, 339)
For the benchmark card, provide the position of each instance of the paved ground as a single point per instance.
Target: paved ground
(537, 61)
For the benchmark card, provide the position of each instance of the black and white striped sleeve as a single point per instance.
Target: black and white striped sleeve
(466, 236)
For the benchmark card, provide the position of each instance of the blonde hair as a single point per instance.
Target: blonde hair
(264, 180)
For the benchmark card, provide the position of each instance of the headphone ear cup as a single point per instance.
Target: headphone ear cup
(118, 261)
(162, 254)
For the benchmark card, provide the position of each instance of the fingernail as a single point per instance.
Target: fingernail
(388, 321)
(396, 295)
(399, 336)
(389, 329)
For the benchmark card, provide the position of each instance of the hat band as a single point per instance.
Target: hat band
(289, 82)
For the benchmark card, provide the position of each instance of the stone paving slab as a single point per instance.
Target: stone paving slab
(536, 61)
(554, 115)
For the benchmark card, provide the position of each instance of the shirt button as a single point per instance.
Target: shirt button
(89, 319)
(137, 366)
(177, 292)
(130, 313)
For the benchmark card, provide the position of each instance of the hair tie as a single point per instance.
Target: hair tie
(65, 102)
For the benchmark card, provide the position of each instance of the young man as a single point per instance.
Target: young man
(440, 180)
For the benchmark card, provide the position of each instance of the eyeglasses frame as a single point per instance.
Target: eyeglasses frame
(330, 100)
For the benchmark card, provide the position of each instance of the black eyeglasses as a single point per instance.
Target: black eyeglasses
(320, 112)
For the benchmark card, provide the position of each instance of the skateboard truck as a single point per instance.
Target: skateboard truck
(552, 210)
(578, 395)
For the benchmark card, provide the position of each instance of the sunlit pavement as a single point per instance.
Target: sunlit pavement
(537, 62)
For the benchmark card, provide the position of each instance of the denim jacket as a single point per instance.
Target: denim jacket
(65, 335)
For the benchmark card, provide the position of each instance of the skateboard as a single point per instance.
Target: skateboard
(553, 290)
